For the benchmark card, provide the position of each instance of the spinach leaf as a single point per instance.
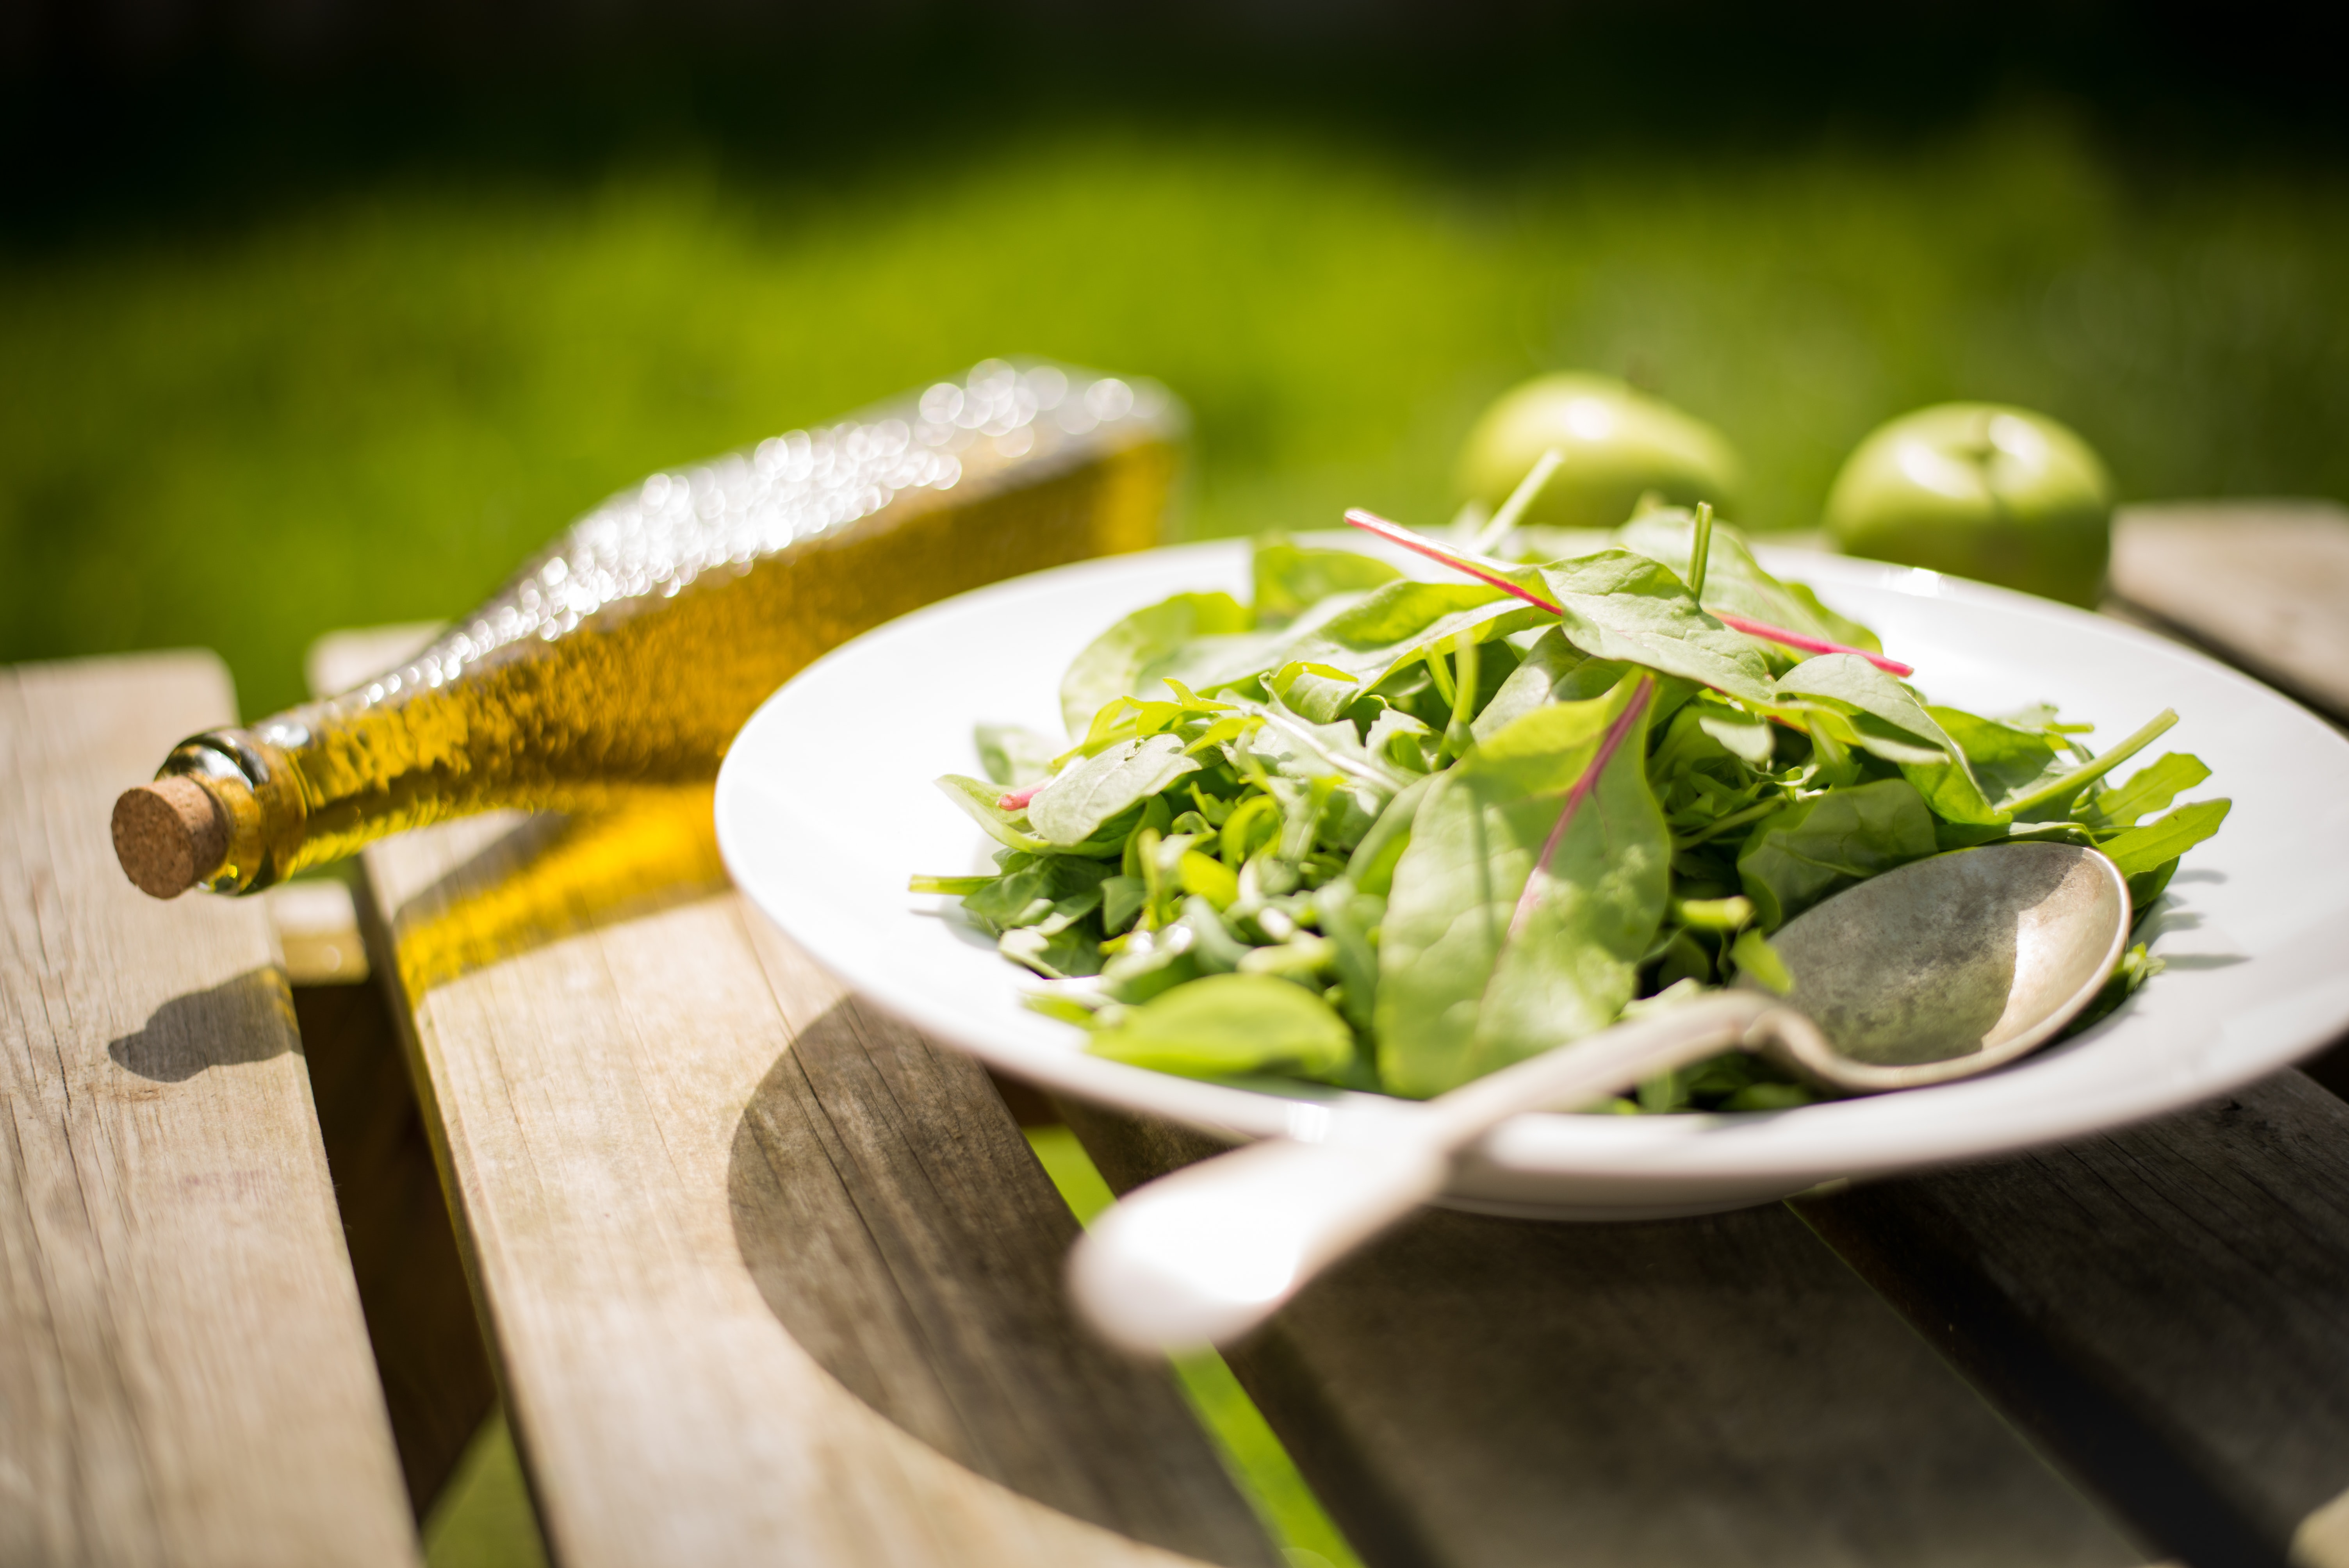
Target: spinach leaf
(1735, 581)
(1618, 605)
(1514, 927)
(1820, 846)
(1088, 793)
(1113, 664)
(1226, 1025)
(1291, 579)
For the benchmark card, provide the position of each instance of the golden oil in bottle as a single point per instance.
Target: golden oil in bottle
(629, 653)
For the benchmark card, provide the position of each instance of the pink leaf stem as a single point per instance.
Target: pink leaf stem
(1574, 798)
(1017, 800)
(1770, 633)
(1395, 534)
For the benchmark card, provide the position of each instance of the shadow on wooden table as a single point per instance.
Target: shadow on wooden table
(221, 1026)
(873, 1190)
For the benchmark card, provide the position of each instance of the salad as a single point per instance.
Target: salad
(1392, 835)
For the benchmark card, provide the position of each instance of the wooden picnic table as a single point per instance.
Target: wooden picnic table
(765, 1278)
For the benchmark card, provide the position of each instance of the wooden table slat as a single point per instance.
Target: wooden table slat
(184, 1374)
(2166, 1308)
(2262, 583)
(767, 1277)
(1479, 1391)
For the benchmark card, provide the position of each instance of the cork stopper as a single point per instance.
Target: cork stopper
(168, 835)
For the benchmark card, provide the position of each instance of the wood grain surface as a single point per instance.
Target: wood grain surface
(768, 1278)
(184, 1375)
(2166, 1308)
(2263, 584)
(1478, 1391)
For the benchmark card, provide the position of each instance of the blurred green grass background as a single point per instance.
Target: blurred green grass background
(290, 346)
(240, 429)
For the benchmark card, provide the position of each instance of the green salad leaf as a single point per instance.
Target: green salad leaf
(1535, 878)
(1390, 834)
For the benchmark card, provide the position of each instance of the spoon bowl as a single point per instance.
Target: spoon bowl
(1951, 966)
(1940, 970)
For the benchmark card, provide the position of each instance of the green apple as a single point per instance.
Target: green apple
(1617, 445)
(1982, 490)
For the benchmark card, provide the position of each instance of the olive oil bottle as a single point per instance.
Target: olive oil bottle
(628, 653)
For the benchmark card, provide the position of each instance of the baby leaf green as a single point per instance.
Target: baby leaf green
(1291, 579)
(1825, 844)
(1618, 605)
(1475, 970)
(1222, 1026)
(1735, 581)
(1111, 665)
(1086, 794)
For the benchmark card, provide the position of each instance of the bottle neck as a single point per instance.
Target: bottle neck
(254, 784)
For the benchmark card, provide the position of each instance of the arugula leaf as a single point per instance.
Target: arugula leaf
(1820, 846)
(1086, 794)
(1618, 605)
(2141, 849)
(1291, 579)
(1515, 925)
(2150, 789)
(1113, 664)
(1227, 1025)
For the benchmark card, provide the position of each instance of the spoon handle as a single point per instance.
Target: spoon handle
(1205, 1254)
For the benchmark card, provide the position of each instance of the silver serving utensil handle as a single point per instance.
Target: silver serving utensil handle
(1205, 1254)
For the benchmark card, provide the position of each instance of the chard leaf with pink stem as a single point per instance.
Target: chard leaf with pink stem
(1534, 879)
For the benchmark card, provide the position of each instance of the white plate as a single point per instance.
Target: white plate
(825, 806)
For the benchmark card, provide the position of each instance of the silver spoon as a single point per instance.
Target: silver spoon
(1940, 970)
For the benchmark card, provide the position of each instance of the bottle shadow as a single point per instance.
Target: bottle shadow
(249, 1018)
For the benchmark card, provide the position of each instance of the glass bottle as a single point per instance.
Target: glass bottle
(629, 653)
